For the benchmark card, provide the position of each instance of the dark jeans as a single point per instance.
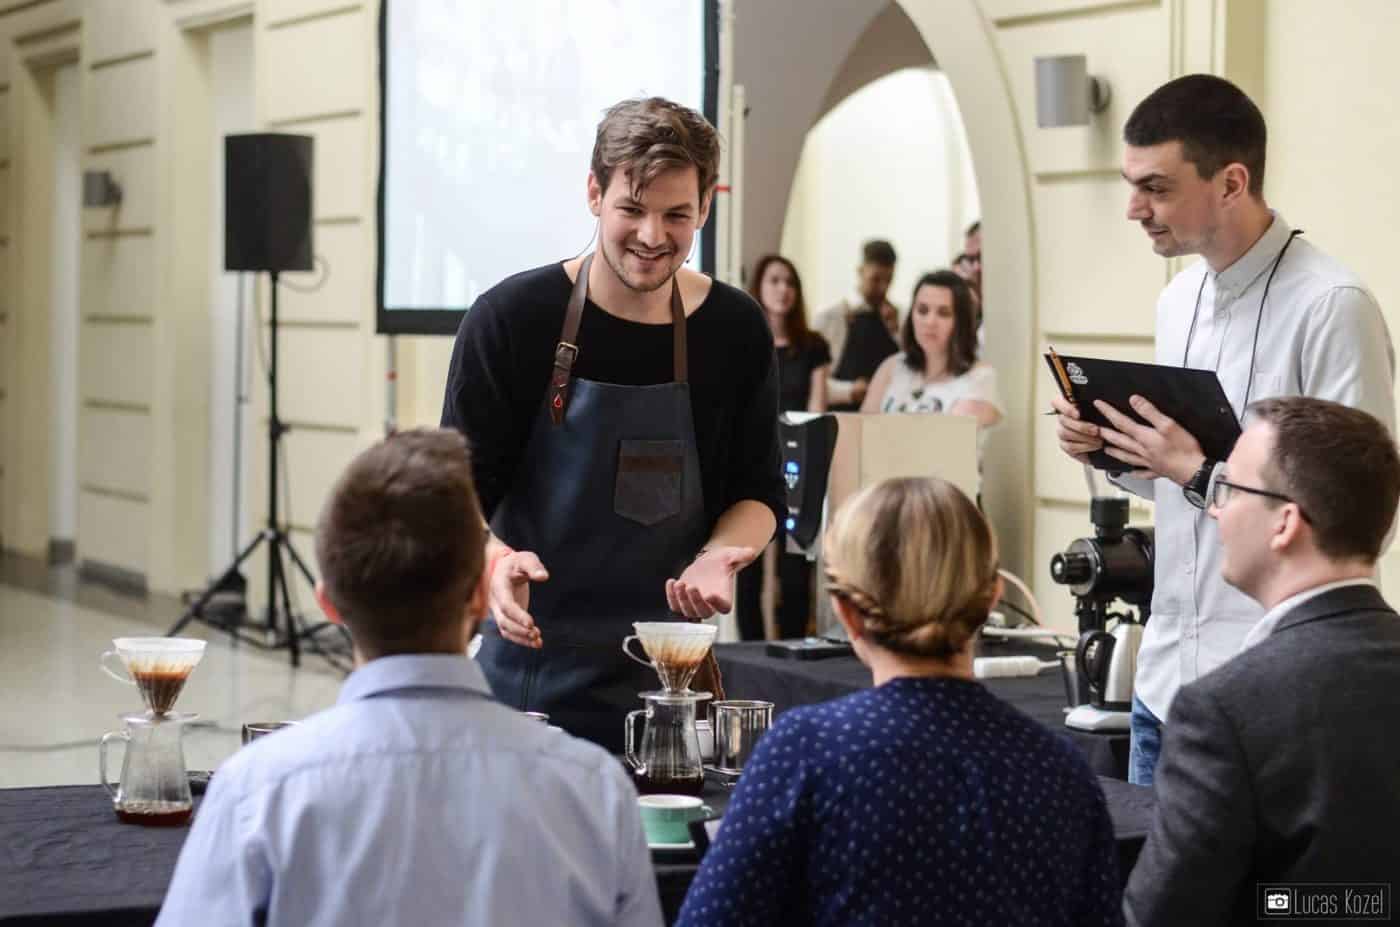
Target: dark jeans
(794, 596)
(1145, 747)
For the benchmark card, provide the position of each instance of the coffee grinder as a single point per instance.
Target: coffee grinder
(668, 759)
(1114, 565)
(154, 787)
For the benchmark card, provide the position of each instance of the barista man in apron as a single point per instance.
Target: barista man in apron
(622, 414)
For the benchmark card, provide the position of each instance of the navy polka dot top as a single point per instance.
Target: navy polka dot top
(921, 801)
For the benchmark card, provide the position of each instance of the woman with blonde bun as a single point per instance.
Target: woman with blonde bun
(925, 799)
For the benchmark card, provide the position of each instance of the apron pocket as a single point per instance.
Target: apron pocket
(648, 485)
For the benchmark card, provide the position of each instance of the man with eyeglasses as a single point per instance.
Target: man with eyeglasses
(1277, 768)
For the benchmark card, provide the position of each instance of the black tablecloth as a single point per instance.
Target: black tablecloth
(749, 673)
(66, 861)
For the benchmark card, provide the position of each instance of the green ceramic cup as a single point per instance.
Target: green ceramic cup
(666, 818)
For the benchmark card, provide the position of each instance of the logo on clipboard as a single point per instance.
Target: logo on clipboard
(1076, 374)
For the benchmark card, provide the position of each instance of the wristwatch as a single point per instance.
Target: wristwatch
(1195, 488)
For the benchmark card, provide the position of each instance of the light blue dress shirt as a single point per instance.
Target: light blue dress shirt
(417, 799)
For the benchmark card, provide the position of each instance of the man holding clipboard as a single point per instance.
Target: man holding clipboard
(1268, 312)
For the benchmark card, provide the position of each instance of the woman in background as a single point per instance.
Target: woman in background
(804, 359)
(926, 799)
(938, 370)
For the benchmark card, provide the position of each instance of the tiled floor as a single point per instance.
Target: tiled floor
(55, 703)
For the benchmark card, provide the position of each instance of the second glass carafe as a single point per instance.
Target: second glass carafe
(668, 760)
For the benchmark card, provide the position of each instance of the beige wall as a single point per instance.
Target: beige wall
(1062, 264)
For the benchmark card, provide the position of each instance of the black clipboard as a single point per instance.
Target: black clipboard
(1193, 398)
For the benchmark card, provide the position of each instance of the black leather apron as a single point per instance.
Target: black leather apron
(609, 497)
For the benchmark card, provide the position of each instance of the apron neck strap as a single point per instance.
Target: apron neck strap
(566, 352)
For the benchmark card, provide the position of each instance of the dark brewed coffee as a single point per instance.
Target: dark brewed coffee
(155, 813)
(667, 783)
(160, 688)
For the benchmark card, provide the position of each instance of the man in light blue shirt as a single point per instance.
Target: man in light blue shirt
(418, 798)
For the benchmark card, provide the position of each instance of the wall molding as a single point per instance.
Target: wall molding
(124, 145)
(303, 18)
(324, 324)
(58, 30)
(331, 116)
(123, 495)
(1098, 338)
(99, 318)
(116, 405)
(319, 427)
(23, 5)
(116, 60)
(1079, 12)
(1048, 178)
(222, 16)
(139, 232)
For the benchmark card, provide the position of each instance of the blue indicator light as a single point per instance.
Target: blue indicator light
(791, 466)
(791, 523)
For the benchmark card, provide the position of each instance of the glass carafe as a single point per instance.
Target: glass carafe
(668, 760)
(154, 788)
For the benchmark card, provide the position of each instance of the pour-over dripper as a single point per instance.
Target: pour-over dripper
(675, 648)
(157, 666)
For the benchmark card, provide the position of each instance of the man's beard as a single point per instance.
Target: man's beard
(616, 263)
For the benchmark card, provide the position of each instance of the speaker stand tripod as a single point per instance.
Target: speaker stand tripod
(284, 626)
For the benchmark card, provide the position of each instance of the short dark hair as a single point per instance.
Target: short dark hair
(1216, 123)
(877, 251)
(962, 347)
(1340, 466)
(401, 541)
(973, 229)
(651, 136)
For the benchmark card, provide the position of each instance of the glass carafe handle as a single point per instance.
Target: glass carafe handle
(102, 756)
(629, 740)
(632, 656)
(119, 677)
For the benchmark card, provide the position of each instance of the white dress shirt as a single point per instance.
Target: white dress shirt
(417, 799)
(1321, 335)
(1273, 616)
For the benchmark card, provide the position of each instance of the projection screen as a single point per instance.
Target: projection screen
(487, 115)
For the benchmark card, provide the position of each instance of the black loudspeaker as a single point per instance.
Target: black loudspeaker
(267, 202)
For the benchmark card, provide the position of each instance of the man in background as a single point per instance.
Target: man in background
(861, 328)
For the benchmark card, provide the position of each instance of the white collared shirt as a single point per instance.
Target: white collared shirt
(417, 799)
(1271, 618)
(1321, 335)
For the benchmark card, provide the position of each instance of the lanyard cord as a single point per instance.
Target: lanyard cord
(1258, 320)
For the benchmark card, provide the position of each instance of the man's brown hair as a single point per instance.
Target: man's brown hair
(401, 541)
(652, 136)
(1339, 465)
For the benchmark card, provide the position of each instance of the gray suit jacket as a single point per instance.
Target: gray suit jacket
(1283, 765)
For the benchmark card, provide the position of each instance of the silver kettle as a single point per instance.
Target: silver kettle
(1107, 660)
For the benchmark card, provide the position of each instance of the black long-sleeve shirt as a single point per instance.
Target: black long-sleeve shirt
(504, 354)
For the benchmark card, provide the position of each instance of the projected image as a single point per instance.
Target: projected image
(489, 116)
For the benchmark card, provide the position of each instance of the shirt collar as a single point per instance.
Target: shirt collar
(414, 671)
(1259, 258)
(1273, 616)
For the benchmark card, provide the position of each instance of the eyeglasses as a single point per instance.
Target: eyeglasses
(1223, 488)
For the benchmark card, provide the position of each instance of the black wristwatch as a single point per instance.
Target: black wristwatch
(1195, 488)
